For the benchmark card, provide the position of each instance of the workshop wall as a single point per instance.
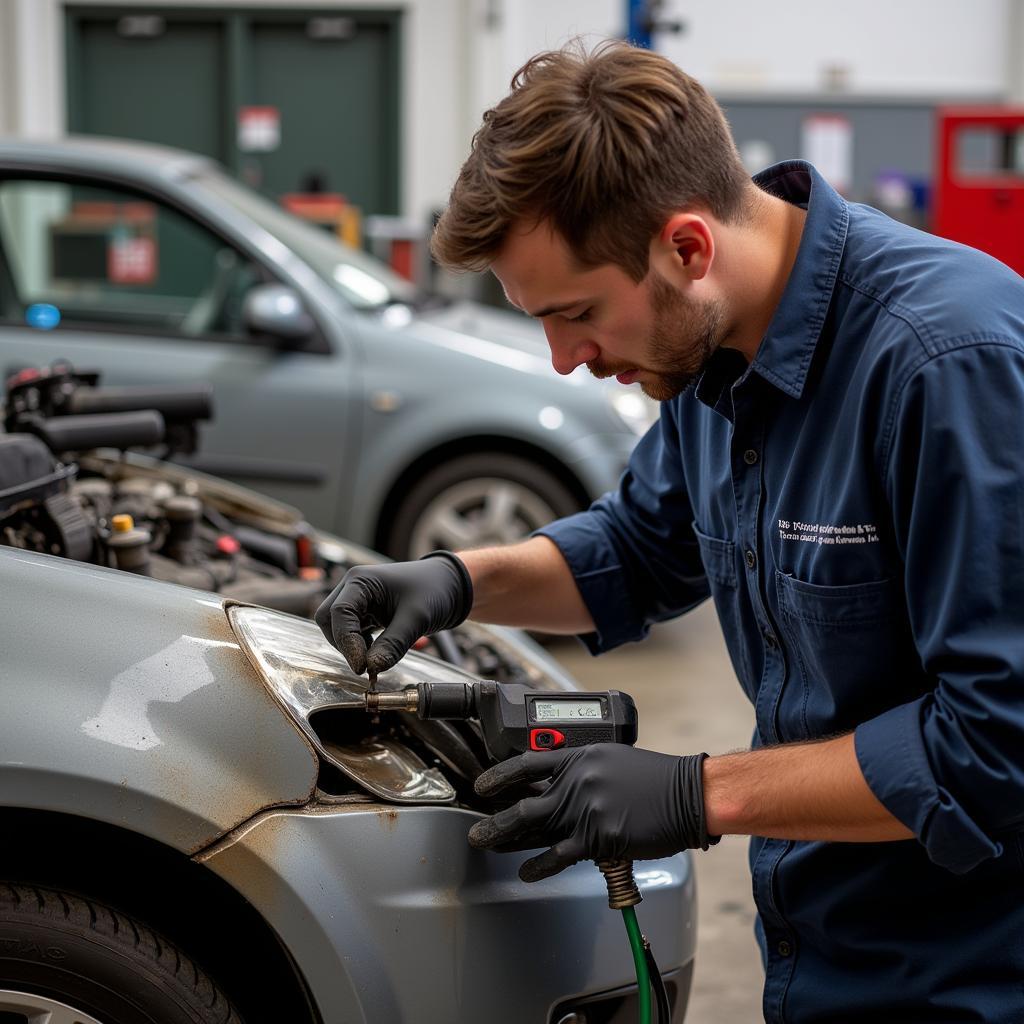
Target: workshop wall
(456, 57)
(433, 108)
(910, 48)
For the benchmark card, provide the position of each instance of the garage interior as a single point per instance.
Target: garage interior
(356, 119)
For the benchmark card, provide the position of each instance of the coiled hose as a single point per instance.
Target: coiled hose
(624, 895)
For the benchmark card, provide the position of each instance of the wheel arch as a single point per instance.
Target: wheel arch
(185, 901)
(476, 444)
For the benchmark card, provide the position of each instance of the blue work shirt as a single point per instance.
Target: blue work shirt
(853, 500)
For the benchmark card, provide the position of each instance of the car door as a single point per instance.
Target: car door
(124, 282)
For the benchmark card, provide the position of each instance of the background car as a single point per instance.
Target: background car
(334, 379)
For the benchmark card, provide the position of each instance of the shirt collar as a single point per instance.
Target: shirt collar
(784, 355)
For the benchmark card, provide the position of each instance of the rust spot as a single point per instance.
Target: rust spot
(218, 626)
(388, 817)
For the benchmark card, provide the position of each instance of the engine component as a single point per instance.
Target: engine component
(183, 513)
(279, 551)
(113, 430)
(191, 402)
(74, 535)
(58, 391)
(129, 545)
(28, 472)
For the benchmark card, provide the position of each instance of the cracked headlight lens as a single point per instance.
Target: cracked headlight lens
(309, 678)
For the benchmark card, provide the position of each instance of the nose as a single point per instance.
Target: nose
(569, 348)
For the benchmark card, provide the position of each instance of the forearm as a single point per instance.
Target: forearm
(527, 585)
(813, 791)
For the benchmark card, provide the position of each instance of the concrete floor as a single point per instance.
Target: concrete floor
(689, 700)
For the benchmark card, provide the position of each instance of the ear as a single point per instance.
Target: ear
(685, 245)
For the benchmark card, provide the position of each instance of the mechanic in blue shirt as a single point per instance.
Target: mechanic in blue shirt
(839, 463)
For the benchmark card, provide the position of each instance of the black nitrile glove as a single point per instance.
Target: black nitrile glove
(607, 801)
(407, 599)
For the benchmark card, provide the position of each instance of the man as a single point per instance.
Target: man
(838, 463)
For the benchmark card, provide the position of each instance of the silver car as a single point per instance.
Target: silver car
(198, 823)
(402, 421)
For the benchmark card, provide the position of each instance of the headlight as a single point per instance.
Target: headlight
(636, 410)
(311, 681)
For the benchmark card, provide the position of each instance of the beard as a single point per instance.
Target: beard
(684, 336)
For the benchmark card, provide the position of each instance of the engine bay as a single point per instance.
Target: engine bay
(140, 513)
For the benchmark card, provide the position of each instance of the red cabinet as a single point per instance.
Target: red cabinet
(979, 180)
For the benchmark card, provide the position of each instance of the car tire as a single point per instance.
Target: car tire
(475, 501)
(82, 960)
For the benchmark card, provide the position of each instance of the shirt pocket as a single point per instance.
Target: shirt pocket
(719, 558)
(851, 650)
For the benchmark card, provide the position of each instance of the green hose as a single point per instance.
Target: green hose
(643, 976)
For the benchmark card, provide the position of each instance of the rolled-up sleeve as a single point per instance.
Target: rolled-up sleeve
(950, 765)
(633, 553)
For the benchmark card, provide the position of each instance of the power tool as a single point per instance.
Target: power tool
(513, 719)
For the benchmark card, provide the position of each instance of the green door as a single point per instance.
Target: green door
(334, 97)
(152, 78)
(181, 77)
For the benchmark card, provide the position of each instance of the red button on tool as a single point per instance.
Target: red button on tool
(546, 739)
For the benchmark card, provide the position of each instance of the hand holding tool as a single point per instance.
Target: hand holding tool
(514, 718)
(407, 599)
(606, 800)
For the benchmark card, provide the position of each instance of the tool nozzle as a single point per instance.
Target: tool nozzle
(397, 700)
(622, 887)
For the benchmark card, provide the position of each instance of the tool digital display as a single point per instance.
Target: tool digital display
(566, 710)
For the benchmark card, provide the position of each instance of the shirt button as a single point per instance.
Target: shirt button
(784, 948)
(750, 456)
(769, 638)
(750, 558)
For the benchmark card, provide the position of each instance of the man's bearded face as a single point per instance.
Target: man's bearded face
(683, 336)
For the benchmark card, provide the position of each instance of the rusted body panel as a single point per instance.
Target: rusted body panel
(394, 917)
(129, 701)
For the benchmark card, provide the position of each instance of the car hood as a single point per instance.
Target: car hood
(500, 325)
(496, 335)
(511, 646)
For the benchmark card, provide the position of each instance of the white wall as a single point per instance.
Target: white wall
(458, 57)
(1015, 46)
(31, 68)
(890, 48)
(512, 31)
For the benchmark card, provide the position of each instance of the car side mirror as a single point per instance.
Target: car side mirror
(276, 311)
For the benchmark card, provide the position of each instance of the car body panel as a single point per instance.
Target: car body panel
(306, 391)
(308, 426)
(130, 701)
(437, 358)
(394, 917)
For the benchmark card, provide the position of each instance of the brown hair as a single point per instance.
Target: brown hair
(604, 146)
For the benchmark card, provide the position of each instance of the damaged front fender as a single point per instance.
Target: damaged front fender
(129, 702)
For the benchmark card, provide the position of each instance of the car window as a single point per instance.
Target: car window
(107, 258)
(362, 280)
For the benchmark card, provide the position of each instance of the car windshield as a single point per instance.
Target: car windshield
(364, 281)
